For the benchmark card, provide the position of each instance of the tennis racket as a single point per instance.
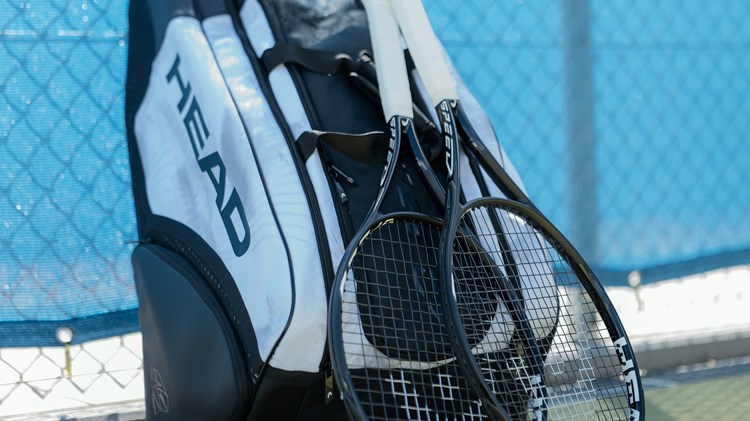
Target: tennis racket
(388, 337)
(488, 308)
(568, 356)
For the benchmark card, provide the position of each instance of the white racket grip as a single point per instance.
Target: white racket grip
(425, 50)
(390, 64)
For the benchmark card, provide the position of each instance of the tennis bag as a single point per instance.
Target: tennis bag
(255, 156)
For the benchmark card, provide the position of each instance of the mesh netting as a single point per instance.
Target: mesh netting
(66, 208)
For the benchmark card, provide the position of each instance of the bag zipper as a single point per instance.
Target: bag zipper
(345, 221)
(335, 187)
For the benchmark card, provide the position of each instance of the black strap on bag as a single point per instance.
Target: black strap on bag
(361, 73)
(323, 62)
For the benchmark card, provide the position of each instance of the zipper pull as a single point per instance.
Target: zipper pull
(343, 198)
(336, 175)
(329, 384)
(343, 175)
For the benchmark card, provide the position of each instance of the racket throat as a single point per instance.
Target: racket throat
(329, 384)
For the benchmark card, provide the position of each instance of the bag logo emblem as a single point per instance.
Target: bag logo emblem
(159, 395)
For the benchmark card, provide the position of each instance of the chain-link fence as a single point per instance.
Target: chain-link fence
(626, 119)
(74, 378)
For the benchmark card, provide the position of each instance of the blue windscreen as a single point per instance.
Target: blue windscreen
(67, 222)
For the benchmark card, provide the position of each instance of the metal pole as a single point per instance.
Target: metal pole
(581, 137)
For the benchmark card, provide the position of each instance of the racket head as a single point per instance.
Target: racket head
(489, 318)
(465, 295)
(389, 347)
(589, 370)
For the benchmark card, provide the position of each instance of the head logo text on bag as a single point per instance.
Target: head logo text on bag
(211, 164)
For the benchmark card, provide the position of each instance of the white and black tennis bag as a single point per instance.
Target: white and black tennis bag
(255, 156)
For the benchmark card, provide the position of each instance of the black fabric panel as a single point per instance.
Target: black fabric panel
(307, 144)
(317, 61)
(364, 148)
(182, 240)
(407, 191)
(193, 367)
(162, 11)
(207, 8)
(339, 106)
(295, 396)
(140, 55)
(366, 176)
(335, 26)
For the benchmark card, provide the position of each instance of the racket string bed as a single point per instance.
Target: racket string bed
(582, 372)
(397, 350)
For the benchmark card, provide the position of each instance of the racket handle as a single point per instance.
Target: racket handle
(393, 81)
(425, 50)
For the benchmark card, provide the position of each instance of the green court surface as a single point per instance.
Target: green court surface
(726, 398)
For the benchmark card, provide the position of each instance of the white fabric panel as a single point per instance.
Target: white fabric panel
(178, 189)
(261, 38)
(301, 348)
(258, 30)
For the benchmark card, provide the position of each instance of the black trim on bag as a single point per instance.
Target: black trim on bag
(365, 147)
(295, 396)
(211, 300)
(136, 85)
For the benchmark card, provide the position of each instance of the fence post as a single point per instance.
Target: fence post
(581, 138)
